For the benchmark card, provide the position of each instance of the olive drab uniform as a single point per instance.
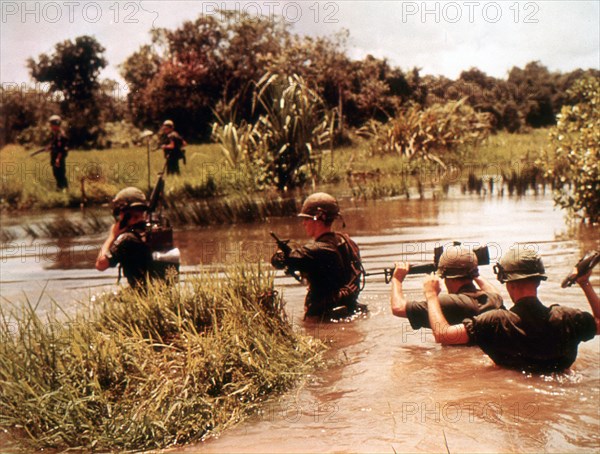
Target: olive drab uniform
(531, 336)
(131, 251)
(174, 155)
(456, 262)
(145, 249)
(58, 154)
(331, 264)
(467, 302)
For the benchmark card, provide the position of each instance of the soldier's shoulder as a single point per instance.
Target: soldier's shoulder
(558, 312)
(127, 237)
(495, 316)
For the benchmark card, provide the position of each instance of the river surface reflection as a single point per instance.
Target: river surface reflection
(394, 389)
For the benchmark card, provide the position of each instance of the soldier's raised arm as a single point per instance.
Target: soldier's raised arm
(443, 332)
(592, 297)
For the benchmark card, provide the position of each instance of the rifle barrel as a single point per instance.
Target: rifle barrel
(37, 152)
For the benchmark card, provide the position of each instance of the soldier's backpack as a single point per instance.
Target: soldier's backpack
(178, 151)
(354, 270)
(165, 257)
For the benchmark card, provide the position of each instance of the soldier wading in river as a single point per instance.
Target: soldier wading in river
(458, 267)
(529, 336)
(330, 263)
(173, 147)
(126, 244)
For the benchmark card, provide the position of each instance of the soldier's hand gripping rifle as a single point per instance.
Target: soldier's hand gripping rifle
(482, 253)
(286, 249)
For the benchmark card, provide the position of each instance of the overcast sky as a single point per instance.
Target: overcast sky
(439, 37)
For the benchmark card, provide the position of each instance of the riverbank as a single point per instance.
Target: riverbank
(136, 372)
(95, 176)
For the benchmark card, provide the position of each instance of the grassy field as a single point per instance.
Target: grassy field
(28, 182)
(139, 372)
(95, 176)
(502, 158)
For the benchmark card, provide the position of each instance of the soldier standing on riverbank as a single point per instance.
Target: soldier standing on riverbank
(458, 267)
(330, 263)
(59, 149)
(173, 147)
(529, 336)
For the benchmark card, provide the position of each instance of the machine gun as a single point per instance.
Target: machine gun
(482, 253)
(159, 235)
(157, 191)
(587, 262)
(286, 249)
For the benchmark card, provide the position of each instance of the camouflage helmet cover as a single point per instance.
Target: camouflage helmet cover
(320, 205)
(129, 198)
(521, 262)
(55, 120)
(458, 262)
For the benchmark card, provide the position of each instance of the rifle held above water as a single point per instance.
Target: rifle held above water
(482, 253)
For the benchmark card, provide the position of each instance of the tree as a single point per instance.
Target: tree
(138, 70)
(573, 163)
(533, 92)
(188, 73)
(21, 109)
(211, 65)
(73, 70)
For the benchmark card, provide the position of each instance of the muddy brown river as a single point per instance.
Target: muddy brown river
(393, 389)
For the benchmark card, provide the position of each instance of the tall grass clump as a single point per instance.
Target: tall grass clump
(66, 228)
(145, 371)
(428, 134)
(283, 146)
(230, 210)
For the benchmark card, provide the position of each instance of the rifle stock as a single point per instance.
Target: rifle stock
(587, 262)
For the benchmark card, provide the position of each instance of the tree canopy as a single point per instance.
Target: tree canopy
(73, 70)
(207, 69)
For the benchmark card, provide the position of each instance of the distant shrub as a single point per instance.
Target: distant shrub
(428, 133)
(120, 134)
(574, 159)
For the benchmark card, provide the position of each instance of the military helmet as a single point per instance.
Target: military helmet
(129, 198)
(169, 123)
(320, 205)
(518, 263)
(458, 262)
(55, 120)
